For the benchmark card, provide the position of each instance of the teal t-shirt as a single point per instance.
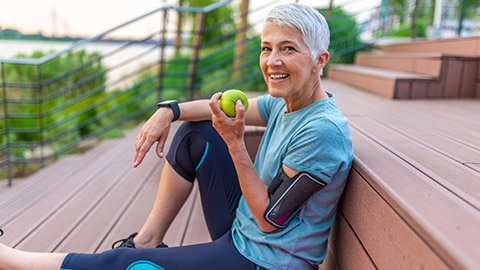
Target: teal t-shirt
(315, 139)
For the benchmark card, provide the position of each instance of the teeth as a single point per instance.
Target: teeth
(278, 76)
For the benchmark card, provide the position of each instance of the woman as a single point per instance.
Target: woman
(306, 135)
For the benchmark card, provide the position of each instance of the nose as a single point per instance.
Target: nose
(275, 58)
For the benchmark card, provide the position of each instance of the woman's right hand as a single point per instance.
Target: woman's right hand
(154, 130)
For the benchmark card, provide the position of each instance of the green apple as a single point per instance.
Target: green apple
(229, 99)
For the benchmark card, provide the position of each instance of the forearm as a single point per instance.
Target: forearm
(254, 190)
(197, 110)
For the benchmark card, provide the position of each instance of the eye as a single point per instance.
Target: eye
(265, 49)
(289, 48)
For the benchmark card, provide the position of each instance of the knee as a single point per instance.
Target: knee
(188, 147)
(188, 127)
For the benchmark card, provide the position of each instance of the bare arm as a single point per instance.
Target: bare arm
(158, 125)
(253, 189)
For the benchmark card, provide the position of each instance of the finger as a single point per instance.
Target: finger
(142, 152)
(160, 146)
(214, 107)
(239, 110)
(138, 145)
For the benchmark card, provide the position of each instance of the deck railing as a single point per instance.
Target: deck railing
(53, 104)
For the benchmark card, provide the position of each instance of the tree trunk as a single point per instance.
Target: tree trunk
(240, 38)
(178, 38)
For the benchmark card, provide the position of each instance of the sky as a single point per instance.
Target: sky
(89, 17)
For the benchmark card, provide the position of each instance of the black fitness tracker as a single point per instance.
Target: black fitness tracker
(172, 104)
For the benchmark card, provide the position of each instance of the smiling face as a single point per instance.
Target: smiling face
(287, 65)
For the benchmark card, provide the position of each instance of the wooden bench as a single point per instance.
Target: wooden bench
(413, 196)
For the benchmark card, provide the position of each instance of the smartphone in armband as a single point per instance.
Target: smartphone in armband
(288, 195)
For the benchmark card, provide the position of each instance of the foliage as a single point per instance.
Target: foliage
(471, 7)
(397, 8)
(405, 30)
(218, 21)
(216, 69)
(344, 37)
(52, 107)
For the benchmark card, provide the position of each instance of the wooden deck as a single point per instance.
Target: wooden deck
(84, 203)
(412, 200)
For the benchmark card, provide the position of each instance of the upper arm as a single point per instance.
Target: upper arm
(252, 116)
(289, 171)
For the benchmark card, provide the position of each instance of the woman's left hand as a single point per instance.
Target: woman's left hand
(231, 129)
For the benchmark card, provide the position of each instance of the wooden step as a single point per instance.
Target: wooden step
(383, 82)
(463, 46)
(457, 77)
(421, 63)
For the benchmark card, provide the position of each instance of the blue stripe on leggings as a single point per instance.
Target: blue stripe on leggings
(203, 157)
(144, 265)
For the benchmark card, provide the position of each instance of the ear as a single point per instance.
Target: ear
(321, 61)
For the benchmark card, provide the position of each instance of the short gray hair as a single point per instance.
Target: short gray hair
(311, 24)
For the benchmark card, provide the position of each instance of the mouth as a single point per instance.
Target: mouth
(278, 76)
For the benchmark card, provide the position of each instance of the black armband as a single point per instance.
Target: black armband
(288, 195)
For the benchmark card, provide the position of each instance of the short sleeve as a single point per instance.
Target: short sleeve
(265, 104)
(320, 149)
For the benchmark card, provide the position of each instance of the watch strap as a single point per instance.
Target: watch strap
(172, 104)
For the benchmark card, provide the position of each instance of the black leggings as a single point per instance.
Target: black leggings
(197, 152)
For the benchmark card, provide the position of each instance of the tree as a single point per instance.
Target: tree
(218, 22)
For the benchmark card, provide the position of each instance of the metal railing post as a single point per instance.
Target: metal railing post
(461, 16)
(40, 113)
(161, 66)
(197, 42)
(178, 37)
(7, 133)
(413, 33)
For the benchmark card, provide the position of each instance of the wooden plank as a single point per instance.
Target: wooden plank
(403, 89)
(97, 222)
(419, 89)
(422, 63)
(457, 112)
(468, 79)
(443, 170)
(345, 247)
(134, 217)
(329, 263)
(363, 103)
(56, 226)
(23, 222)
(131, 218)
(435, 88)
(444, 221)
(468, 46)
(374, 222)
(42, 177)
(383, 86)
(452, 78)
(35, 184)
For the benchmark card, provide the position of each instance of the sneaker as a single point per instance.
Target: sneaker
(128, 243)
